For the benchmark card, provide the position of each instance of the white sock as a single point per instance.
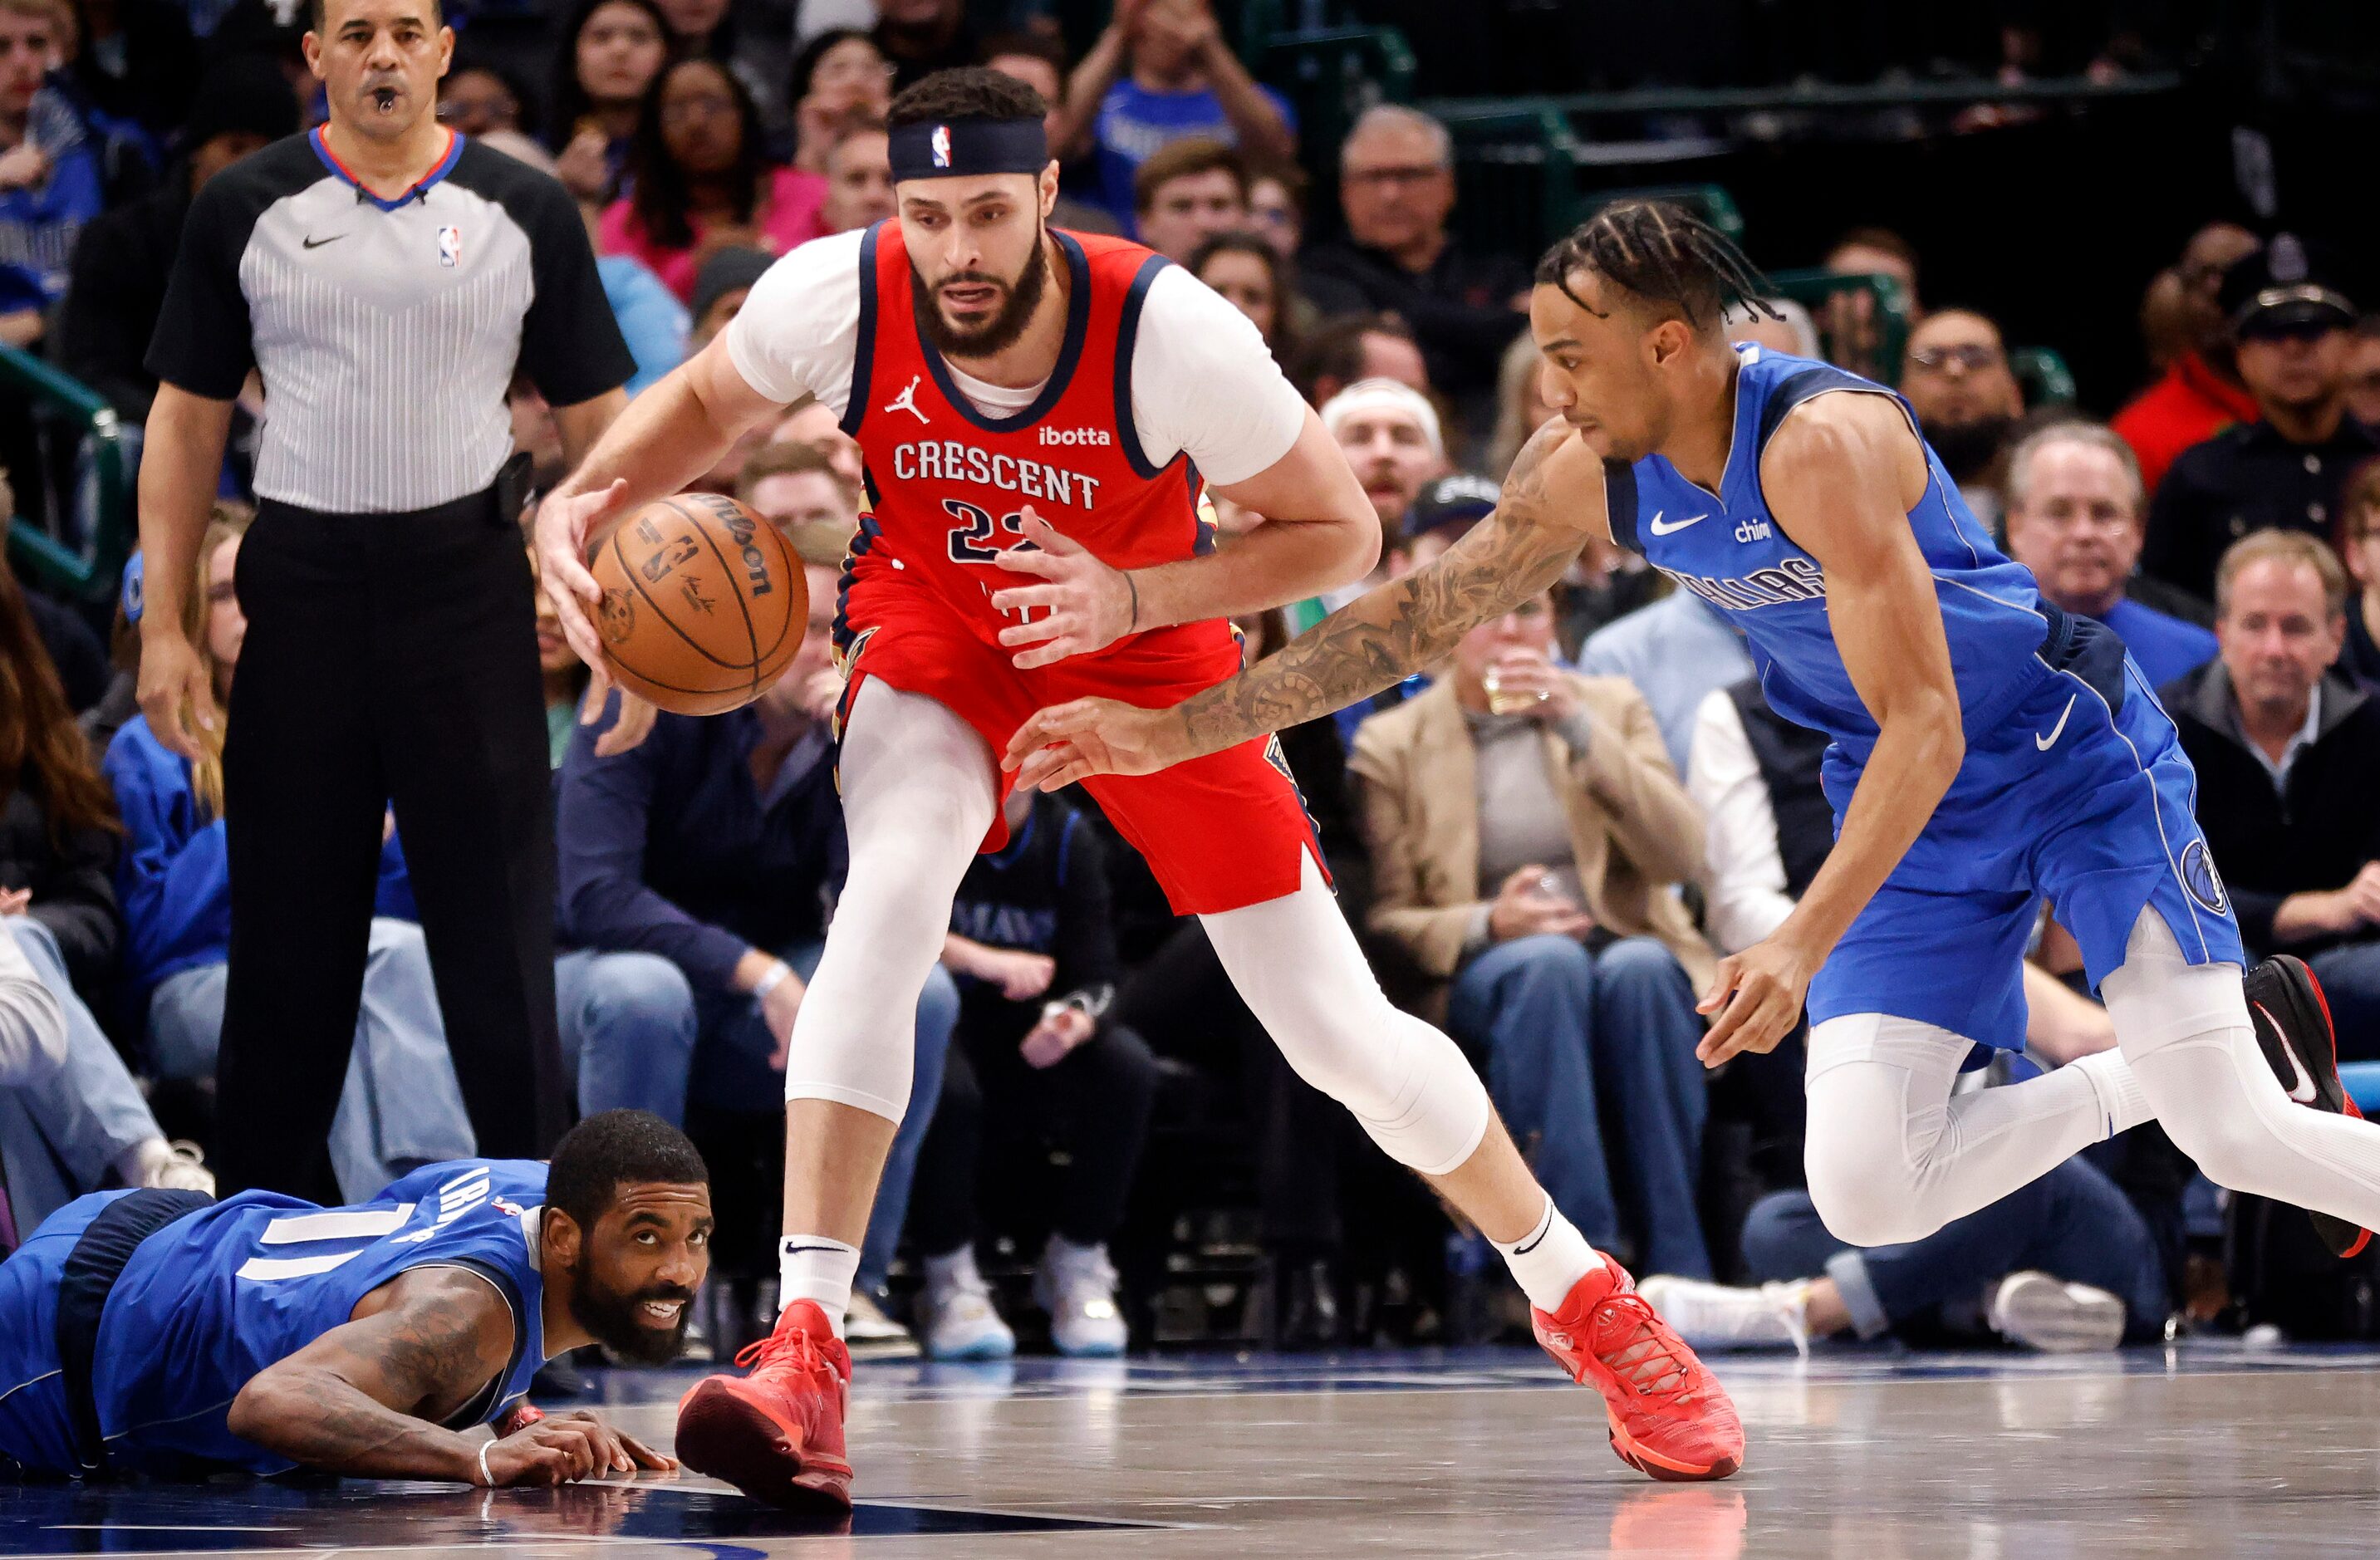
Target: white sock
(2125, 1103)
(818, 1268)
(1548, 1262)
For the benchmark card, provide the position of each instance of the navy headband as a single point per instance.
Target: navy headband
(954, 147)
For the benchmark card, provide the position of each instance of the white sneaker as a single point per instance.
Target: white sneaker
(955, 1319)
(872, 1335)
(1718, 1316)
(174, 1166)
(1076, 1286)
(2054, 1316)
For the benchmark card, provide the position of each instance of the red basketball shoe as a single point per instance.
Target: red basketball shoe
(1669, 1416)
(777, 1434)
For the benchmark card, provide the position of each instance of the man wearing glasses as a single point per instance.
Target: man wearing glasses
(1396, 185)
(2291, 327)
(1955, 375)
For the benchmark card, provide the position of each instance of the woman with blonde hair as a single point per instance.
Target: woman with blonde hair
(401, 1106)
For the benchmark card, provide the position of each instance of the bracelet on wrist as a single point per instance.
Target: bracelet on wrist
(486, 1479)
(778, 975)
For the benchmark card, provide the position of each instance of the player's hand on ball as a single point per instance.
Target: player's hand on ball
(1066, 742)
(1081, 605)
(565, 520)
(1758, 997)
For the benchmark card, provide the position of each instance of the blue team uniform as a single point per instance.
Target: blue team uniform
(215, 1296)
(2074, 786)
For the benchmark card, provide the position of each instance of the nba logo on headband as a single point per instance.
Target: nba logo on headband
(941, 146)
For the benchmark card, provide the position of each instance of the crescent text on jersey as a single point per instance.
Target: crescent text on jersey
(953, 460)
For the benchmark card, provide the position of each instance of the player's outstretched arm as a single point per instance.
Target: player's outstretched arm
(365, 1398)
(1549, 502)
(1841, 475)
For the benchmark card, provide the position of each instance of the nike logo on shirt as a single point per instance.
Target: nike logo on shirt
(1661, 531)
(311, 242)
(2045, 743)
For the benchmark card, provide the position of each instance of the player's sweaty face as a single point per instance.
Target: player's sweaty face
(1594, 366)
(379, 61)
(975, 245)
(638, 1268)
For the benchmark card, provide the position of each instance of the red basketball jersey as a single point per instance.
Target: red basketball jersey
(948, 486)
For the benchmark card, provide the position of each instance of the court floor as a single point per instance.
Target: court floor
(2205, 1449)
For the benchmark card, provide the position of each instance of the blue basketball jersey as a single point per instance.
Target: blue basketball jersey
(1728, 549)
(212, 1299)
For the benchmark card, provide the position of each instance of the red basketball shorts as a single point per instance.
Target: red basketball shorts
(1220, 832)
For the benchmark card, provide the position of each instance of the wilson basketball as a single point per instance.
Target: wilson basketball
(703, 603)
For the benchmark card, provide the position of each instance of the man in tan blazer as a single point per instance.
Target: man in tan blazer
(1528, 837)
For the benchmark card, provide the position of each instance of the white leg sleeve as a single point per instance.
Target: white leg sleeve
(918, 795)
(2185, 1028)
(1298, 967)
(1892, 1158)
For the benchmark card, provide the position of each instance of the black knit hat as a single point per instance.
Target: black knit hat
(241, 93)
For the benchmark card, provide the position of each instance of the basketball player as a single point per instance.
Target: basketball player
(165, 1332)
(1988, 749)
(1038, 410)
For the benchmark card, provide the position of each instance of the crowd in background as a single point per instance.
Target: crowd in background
(1547, 842)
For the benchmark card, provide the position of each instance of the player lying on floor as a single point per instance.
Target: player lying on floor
(167, 1333)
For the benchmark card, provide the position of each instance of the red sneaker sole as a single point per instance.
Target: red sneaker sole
(1667, 1470)
(720, 1435)
(2347, 1101)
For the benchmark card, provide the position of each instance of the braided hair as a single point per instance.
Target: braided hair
(1663, 254)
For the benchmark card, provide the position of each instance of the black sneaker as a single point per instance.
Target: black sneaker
(2292, 1023)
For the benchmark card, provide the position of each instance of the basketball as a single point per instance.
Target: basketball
(703, 603)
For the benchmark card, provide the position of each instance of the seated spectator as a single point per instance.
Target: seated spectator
(2286, 750)
(797, 487)
(610, 51)
(1357, 346)
(859, 179)
(74, 650)
(920, 37)
(699, 29)
(1521, 408)
(1186, 193)
(1955, 376)
(716, 843)
(1437, 518)
(2199, 394)
(841, 82)
(401, 1106)
(701, 181)
(478, 97)
(1039, 62)
(1396, 188)
(1250, 276)
(1674, 652)
(719, 288)
(2358, 532)
(2062, 1265)
(1035, 1056)
(73, 1117)
(1851, 318)
(1390, 436)
(2363, 372)
(118, 285)
(51, 176)
(130, 63)
(1277, 191)
(2291, 328)
(1161, 72)
(2075, 518)
(1527, 838)
(1778, 324)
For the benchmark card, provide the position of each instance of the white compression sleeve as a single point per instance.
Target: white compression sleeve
(1298, 967)
(917, 796)
(1893, 1158)
(2185, 1028)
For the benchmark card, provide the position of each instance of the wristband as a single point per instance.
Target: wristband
(769, 982)
(486, 1479)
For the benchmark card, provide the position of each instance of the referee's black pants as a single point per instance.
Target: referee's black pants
(391, 660)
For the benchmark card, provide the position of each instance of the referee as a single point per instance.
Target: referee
(385, 279)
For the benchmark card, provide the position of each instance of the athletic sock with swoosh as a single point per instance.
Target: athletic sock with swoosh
(2123, 1104)
(1548, 1262)
(819, 1268)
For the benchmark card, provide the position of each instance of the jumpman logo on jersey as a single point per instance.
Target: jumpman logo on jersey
(907, 401)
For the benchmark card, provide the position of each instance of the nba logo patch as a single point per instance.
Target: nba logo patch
(941, 142)
(450, 246)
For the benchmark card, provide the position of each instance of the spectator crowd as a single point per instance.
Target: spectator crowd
(1547, 844)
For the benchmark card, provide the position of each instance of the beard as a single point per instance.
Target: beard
(1968, 449)
(614, 1319)
(1020, 297)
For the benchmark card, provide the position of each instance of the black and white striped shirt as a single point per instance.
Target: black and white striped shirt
(386, 331)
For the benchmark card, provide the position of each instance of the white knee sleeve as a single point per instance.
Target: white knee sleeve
(1299, 969)
(917, 797)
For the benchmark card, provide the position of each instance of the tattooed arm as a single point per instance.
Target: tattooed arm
(366, 1397)
(1551, 504)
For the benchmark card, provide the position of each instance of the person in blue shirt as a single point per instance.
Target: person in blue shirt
(2077, 515)
(51, 173)
(1162, 71)
(401, 1105)
(165, 1334)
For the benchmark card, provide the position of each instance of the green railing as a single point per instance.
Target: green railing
(1862, 320)
(89, 572)
(1516, 178)
(2043, 375)
(1330, 76)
